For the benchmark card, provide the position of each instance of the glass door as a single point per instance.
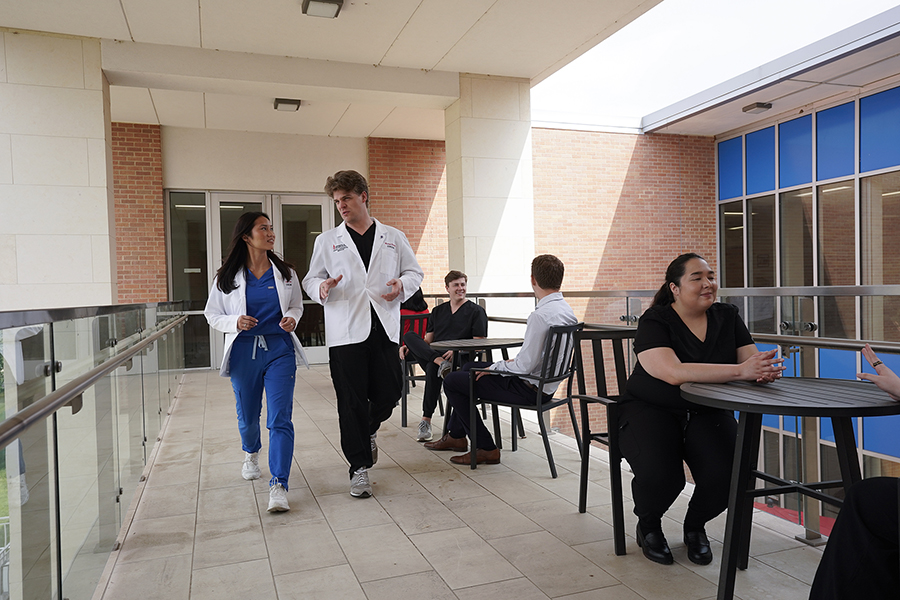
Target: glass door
(299, 219)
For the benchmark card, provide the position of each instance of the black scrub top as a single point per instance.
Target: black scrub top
(661, 327)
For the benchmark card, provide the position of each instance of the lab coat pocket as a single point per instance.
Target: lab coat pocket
(337, 312)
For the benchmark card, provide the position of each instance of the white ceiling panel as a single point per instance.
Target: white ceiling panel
(376, 56)
(523, 38)
(253, 113)
(360, 120)
(867, 75)
(433, 30)
(131, 105)
(90, 18)
(171, 22)
(362, 33)
(179, 109)
(412, 123)
(861, 58)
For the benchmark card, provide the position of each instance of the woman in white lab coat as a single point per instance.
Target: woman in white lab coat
(256, 300)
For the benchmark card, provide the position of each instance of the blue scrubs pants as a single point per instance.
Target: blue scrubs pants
(254, 369)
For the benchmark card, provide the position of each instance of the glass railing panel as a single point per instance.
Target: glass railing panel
(89, 515)
(880, 316)
(131, 455)
(26, 522)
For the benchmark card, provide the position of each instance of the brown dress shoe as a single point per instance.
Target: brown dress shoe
(448, 443)
(487, 457)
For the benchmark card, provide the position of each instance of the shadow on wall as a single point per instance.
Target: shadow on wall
(408, 184)
(632, 203)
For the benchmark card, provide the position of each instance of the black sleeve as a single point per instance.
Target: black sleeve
(652, 332)
(479, 323)
(742, 335)
(435, 313)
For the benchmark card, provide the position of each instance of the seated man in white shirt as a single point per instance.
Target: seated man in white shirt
(552, 310)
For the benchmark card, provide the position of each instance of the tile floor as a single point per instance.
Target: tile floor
(432, 530)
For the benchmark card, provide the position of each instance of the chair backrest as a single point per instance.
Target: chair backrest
(558, 348)
(417, 323)
(619, 339)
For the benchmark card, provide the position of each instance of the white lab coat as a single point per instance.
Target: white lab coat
(222, 311)
(347, 313)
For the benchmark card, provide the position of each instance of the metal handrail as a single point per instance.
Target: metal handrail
(14, 426)
(810, 290)
(23, 318)
(765, 338)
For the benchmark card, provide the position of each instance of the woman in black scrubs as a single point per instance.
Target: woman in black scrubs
(685, 336)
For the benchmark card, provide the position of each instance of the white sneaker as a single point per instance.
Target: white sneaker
(278, 498)
(250, 469)
(359, 483)
(374, 448)
(444, 368)
(424, 431)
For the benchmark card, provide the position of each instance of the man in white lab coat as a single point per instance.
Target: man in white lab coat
(361, 271)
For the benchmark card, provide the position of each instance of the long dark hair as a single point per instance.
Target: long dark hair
(237, 254)
(674, 273)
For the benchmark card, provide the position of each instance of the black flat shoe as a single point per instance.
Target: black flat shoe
(654, 546)
(698, 547)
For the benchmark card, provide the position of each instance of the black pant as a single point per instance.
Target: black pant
(862, 559)
(510, 390)
(424, 355)
(367, 379)
(656, 441)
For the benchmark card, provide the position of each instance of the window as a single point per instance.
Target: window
(730, 169)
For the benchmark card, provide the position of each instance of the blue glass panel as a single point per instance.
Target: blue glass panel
(795, 151)
(834, 141)
(826, 430)
(761, 161)
(791, 423)
(731, 181)
(880, 433)
(837, 364)
(879, 130)
(770, 421)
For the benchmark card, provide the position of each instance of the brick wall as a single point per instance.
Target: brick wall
(140, 218)
(617, 208)
(408, 185)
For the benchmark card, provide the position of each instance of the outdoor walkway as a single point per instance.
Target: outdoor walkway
(432, 530)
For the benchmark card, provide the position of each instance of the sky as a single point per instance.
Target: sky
(680, 48)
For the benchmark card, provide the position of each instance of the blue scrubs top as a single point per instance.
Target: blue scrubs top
(262, 303)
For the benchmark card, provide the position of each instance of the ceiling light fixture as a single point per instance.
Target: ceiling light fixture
(287, 104)
(322, 8)
(757, 107)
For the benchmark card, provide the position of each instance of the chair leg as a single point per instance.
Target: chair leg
(514, 416)
(615, 476)
(441, 403)
(521, 424)
(404, 391)
(495, 417)
(585, 458)
(575, 430)
(547, 445)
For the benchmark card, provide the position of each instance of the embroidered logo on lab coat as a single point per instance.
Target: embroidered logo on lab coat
(390, 245)
(338, 247)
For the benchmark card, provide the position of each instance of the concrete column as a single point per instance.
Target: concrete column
(490, 202)
(56, 230)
